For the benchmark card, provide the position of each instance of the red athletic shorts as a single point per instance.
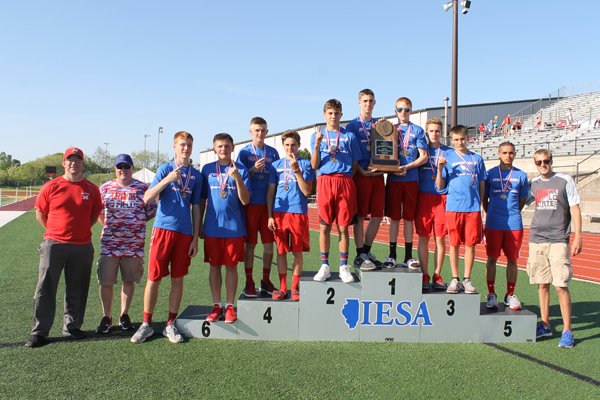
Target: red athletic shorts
(401, 200)
(464, 228)
(291, 234)
(509, 241)
(168, 247)
(223, 251)
(431, 214)
(370, 195)
(336, 199)
(257, 219)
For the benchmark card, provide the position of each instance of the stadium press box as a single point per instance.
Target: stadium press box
(384, 305)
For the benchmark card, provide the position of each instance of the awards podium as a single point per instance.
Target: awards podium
(384, 305)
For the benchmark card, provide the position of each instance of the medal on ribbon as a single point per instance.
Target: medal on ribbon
(404, 139)
(434, 165)
(367, 136)
(183, 185)
(471, 170)
(223, 181)
(503, 187)
(333, 148)
(261, 176)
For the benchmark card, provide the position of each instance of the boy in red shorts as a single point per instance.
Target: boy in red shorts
(174, 235)
(402, 187)
(225, 193)
(463, 173)
(506, 190)
(290, 183)
(258, 158)
(431, 207)
(370, 199)
(336, 158)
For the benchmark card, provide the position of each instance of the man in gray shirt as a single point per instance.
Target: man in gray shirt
(557, 202)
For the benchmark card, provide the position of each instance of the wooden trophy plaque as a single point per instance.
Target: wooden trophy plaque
(384, 147)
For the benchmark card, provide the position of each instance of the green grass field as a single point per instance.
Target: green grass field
(106, 366)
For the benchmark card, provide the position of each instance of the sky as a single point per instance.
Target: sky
(82, 73)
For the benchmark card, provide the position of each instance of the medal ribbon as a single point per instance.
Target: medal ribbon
(286, 178)
(337, 142)
(504, 187)
(473, 175)
(362, 122)
(222, 182)
(404, 139)
(187, 179)
(434, 165)
(256, 155)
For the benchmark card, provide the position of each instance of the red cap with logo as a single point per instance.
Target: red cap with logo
(73, 150)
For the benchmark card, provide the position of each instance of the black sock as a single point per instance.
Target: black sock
(393, 250)
(407, 251)
(359, 251)
(367, 248)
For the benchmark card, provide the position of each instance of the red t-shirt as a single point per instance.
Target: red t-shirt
(70, 207)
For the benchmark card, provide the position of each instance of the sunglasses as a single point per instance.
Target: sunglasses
(123, 166)
(399, 109)
(547, 161)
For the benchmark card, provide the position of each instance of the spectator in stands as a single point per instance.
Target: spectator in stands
(517, 125)
(495, 125)
(482, 132)
(490, 127)
(597, 123)
(505, 125)
(569, 118)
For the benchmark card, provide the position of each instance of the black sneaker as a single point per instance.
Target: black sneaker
(125, 322)
(76, 333)
(105, 325)
(35, 341)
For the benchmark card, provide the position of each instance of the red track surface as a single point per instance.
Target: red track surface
(584, 266)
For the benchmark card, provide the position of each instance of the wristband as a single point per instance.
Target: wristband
(298, 170)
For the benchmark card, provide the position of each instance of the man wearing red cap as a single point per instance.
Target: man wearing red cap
(67, 207)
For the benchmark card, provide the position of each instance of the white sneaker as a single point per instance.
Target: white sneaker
(172, 333)
(469, 288)
(345, 274)
(143, 333)
(512, 302)
(492, 301)
(323, 273)
(413, 264)
(453, 286)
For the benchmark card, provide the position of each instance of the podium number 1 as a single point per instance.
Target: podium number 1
(392, 283)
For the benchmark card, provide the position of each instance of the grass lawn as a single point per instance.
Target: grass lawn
(107, 366)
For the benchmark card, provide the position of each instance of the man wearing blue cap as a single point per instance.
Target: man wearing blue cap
(124, 216)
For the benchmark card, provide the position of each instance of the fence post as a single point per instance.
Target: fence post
(17, 195)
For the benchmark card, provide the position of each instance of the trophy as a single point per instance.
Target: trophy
(384, 147)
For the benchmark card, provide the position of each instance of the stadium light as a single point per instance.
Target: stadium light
(466, 4)
(160, 130)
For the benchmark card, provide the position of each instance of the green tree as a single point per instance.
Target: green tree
(6, 161)
(304, 153)
(101, 157)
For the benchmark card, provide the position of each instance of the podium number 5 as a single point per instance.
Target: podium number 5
(507, 328)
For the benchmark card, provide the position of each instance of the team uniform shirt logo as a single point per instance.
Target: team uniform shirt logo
(546, 199)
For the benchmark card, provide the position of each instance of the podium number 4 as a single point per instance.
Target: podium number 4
(267, 315)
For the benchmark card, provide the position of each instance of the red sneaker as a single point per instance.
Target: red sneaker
(295, 295)
(216, 314)
(249, 291)
(279, 295)
(267, 287)
(230, 316)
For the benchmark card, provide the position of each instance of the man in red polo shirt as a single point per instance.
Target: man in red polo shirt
(67, 207)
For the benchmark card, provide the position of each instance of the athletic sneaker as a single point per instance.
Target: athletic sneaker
(230, 316)
(438, 283)
(413, 264)
(172, 333)
(267, 287)
(453, 286)
(216, 314)
(249, 291)
(543, 331)
(492, 301)
(362, 261)
(469, 288)
(105, 325)
(425, 282)
(512, 302)
(125, 322)
(345, 274)
(143, 333)
(295, 295)
(566, 340)
(389, 263)
(323, 274)
(279, 295)
(371, 257)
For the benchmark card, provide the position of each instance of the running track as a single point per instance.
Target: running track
(584, 266)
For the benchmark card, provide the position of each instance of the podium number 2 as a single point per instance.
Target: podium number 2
(267, 315)
(331, 293)
(507, 328)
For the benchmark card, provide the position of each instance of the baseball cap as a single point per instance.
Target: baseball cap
(123, 158)
(73, 150)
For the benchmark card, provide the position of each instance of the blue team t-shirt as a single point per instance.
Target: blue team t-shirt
(247, 157)
(292, 200)
(463, 196)
(416, 141)
(504, 215)
(426, 184)
(348, 152)
(224, 217)
(173, 212)
(355, 126)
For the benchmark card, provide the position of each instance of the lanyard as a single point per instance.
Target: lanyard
(473, 175)
(286, 177)
(256, 155)
(187, 179)
(362, 122)
(333, 149)
(434, 165)
(404, 138)
(222, 182)
(504, 187)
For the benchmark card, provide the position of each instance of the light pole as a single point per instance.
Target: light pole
(106, 156)
(160, 130)
(145, 137)
(446, 119)
(454, 4)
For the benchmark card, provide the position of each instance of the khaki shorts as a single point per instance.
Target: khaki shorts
(132, 269)
(549, 263)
